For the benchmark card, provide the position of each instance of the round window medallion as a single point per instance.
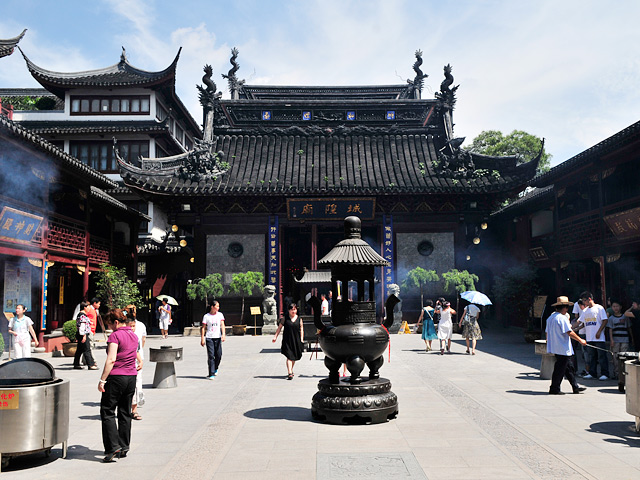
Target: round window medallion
(425, 248)
(235, 249)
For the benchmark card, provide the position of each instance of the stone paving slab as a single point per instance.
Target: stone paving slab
(475, 417)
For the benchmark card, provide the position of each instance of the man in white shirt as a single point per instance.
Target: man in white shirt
(324, 306)
(212, 335)
(559, 336)
(594, 317)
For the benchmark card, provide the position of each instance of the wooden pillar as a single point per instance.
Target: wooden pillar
(85, 275)
(314, 253)
(603, 286)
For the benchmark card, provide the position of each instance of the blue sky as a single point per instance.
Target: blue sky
(568, 71)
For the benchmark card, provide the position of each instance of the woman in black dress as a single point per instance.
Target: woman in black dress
(292, 338)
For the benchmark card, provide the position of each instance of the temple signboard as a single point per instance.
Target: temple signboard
(330, 208)
(17, 226)
(625, 224)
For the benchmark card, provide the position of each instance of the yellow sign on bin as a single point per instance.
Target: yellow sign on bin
(9, 399)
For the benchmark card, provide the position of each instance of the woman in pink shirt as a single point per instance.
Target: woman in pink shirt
(118, 384)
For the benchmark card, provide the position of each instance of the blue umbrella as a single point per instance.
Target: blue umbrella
(476, 297)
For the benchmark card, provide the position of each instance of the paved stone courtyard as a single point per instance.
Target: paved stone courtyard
(481, 417)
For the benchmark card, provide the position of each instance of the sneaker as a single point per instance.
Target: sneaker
(583, 373)
(211, 377)
(215, 373)
(587, 376)
(603, 377)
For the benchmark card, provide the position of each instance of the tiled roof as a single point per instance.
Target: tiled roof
(530, 198)
(353, 251)
(611, 144)
(315, 276)
(379, 92)
(338, 164)
(82, 127)
(72, 163)
(112, 202)
(122, 74)
(7, 46)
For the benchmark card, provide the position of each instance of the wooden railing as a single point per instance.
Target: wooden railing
(7, 110)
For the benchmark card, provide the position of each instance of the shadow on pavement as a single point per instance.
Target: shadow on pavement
(611, 390)
(527, 392)
(91, 404)
(625, 431)
(89, 417)
(270, 350)
(294, 414)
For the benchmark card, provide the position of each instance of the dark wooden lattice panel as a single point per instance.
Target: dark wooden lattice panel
(98, 251)
(66, 235)
(582, 233)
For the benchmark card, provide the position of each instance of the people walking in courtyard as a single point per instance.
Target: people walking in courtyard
(428, 327)
(212, 334)
(445, 326)
(118, 384)
(21, 327)
(165, 317)
(292, 338)
(470, 327)
(140, 330)
(578, 349)
(83, 349)
(619, 333)
(324, 305)
(559, 335)
(594, 317)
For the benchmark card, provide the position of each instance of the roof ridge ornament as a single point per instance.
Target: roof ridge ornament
(235, 85)
(208, 99)
(123, 56)
(415, 89)
(447, 94)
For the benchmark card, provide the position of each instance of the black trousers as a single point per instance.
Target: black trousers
(562, 369)
(214, 354)
(118, 393)
(83, 349)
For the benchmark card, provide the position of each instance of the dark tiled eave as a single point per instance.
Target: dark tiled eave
(530, 200)
(7, 46)
(113, 203)
(611, 144)
(92, 176)
(324, 166)
(63, 127)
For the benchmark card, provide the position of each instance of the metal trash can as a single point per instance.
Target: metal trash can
(623, 357)
(34, 409)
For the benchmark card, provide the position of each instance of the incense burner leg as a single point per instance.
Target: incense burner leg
(334, 369)
(355, 365)
(374, 367)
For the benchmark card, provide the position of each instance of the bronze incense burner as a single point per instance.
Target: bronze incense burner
(354, 337)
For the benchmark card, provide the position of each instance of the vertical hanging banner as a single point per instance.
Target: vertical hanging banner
(17, 286)
(274, 249)
(387, 252)
(45, 281)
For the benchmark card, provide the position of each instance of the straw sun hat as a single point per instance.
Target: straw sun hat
(562, 301)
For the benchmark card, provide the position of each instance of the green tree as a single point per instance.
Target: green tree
(244, 284)
(115, 289)
(419, 277)
(459, 281)
(206, 288)
(522, 144)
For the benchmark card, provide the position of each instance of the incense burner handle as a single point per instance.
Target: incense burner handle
(317, 312)
(389, 305)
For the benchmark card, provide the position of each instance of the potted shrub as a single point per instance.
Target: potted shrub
(205, 289)
(244, 284)
(69, 330)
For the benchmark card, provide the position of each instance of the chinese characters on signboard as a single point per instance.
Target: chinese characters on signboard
(387, 252)
(17, 286)
(17, 226)
(330, 208)
(274, 251)
(625, 224)
(45, 283)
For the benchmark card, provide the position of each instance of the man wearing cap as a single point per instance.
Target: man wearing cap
(559, 335)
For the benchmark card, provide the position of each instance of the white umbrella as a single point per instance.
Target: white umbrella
(170, 300)
(476, 297)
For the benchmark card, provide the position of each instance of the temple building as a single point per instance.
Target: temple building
(57, 225)
(580, 226)
(279, 167)
(83, 113)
